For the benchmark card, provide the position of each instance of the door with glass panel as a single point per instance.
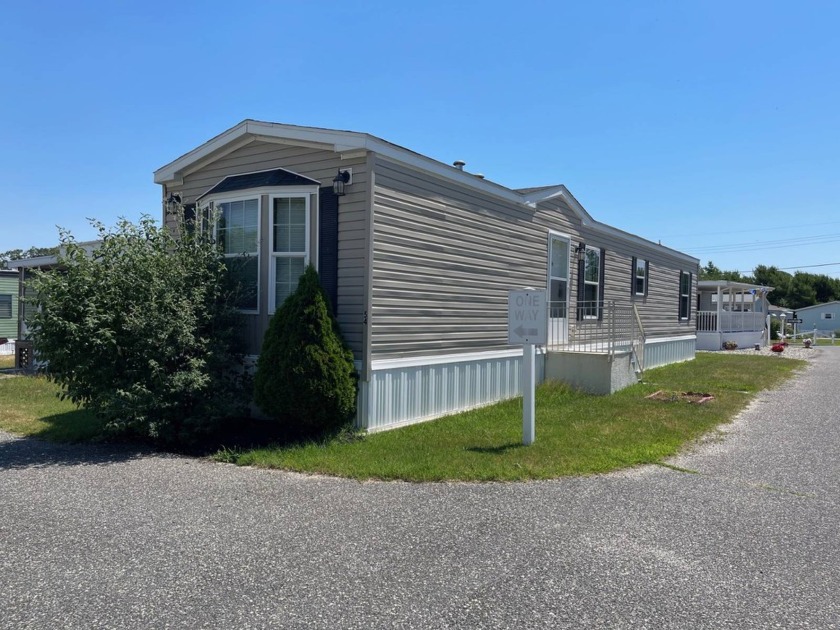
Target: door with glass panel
(558, 289)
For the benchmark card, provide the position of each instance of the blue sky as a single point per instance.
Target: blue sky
(711, 126)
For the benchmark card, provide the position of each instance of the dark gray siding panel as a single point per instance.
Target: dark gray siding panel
(445, 256)
(322, 166)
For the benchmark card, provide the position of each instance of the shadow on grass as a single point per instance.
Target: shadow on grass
(495, 450)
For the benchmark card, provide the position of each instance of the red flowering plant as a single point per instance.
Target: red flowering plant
(778, 347)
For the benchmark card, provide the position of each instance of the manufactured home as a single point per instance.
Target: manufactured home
(734, 312)
(418, 256)
(9, 295)
(824, 318)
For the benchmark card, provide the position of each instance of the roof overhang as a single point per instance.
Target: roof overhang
(29, 263)
(52, 260)
(560, 191)
(730, 285)
(349, 144)
(352, 144)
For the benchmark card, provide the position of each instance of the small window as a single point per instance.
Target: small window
(685, 295)
(827, 315)
(591, 283)
(5, 306)
(640, 276)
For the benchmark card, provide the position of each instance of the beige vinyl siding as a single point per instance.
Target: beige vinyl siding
(442, 264)
(445, 256)
(322, 166)
(659, 310)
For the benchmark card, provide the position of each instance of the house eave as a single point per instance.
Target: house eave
(341, 142)
(587, 221)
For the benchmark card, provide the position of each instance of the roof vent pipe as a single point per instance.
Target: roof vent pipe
(459, 164)
(479, 175)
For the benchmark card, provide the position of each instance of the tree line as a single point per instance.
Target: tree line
(792, 291)
(19, 254)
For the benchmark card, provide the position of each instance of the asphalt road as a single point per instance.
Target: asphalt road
(93, 538)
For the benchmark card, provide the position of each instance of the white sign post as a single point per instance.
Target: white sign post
(527, 326)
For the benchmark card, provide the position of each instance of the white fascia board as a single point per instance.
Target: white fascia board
(561, 191)
(587, 220)
(169, 172)
(804, 308)
(434, 167)
(338, 141)
(638, 241)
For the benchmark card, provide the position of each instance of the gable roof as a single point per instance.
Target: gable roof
(349, 143)
(821, 304)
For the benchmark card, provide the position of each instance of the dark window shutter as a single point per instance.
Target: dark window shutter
(601, 284)
(647, 276)
(679, 295)
(581, 268)
(328, 244)
(633, 276)
(690, 284)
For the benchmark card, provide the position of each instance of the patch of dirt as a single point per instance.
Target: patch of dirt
(696, 398)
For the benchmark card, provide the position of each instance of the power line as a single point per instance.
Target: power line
(750, 230)
(796, 267)
(758, 245)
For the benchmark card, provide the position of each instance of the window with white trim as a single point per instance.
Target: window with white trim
(238, 235)
(826, 315)
(640, 277)
(289, 245)
(591, 283)
(685, 294)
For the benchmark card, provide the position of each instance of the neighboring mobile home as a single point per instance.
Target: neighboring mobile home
(824, 317)
(9, 295)
(418, 257)
(729, 311)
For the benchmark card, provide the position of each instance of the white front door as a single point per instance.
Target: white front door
(558, 288)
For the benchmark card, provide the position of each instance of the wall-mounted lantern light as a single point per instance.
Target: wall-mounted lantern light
(340, 181)
(173, 201)
(580, 250)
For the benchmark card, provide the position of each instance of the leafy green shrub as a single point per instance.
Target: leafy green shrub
(305, 375)
(775, 328)
(142, 331)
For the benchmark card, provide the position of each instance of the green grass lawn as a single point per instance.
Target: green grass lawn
(576, 433)
(29, 406)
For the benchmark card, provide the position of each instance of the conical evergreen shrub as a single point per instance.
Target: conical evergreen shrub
(305, 375)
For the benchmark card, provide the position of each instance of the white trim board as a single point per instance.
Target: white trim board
(441, 359)
(669, 339)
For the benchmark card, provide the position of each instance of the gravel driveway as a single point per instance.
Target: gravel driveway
(93, 538)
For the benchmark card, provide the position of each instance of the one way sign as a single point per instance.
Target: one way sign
(527, 318)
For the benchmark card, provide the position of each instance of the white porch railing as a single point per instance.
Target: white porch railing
(729, 321)
(602, 327)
